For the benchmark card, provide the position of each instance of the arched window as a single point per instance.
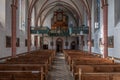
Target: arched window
(2, 13)
(22, 12)
(33, 38)
(33, 18)
(97, 14)
(117, 12)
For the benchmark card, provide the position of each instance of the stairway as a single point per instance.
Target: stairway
(59, 69)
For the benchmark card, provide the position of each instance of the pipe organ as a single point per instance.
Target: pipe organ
(59, 20)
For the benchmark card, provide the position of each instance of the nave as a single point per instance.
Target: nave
(33, 32)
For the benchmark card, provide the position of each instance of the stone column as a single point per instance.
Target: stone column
(29, 35)
(13, 25)
(36, 40)
(105, 29)
(89, 42)
(82, 39)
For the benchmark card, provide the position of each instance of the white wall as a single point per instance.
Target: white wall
(5, 29)
(22, 29)
(111, 25)
(116, 51)
(2, 13)
(47, 21)
(96, 35)
(112, 31)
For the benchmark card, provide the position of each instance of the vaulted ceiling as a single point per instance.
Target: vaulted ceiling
(74, 7)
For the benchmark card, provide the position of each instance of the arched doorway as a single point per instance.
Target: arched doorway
(73, 45)
(59, 45)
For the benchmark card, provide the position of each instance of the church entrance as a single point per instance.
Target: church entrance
(59, 45)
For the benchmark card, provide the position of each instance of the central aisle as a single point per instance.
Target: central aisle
(59, 69)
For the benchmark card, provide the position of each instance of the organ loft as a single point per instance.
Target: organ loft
(59, 20)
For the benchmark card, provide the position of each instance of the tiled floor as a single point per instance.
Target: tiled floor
(59, 69)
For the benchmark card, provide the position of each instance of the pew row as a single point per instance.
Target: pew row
(21, 75)
(37, 61)
(81, 69)
(99, 76)
(85, 66)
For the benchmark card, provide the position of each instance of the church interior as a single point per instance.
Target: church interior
(59, 40)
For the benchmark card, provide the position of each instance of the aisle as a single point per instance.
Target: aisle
(59, 69)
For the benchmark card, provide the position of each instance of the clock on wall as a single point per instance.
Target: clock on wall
(59, 17)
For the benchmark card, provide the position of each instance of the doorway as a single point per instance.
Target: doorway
(73, 45)
(59, 45)
(45, 46)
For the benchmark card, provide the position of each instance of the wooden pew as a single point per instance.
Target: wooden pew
(83, 58)
(91, 67)
(77, 55)
(35, 61)
(21, 75)
(99, 76)
(79, 69)
(24, 67)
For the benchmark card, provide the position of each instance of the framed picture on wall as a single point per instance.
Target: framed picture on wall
(18, 42)
(100, 42)
(92, 42)
(25, 42)
(111, 42)
(8, 42)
